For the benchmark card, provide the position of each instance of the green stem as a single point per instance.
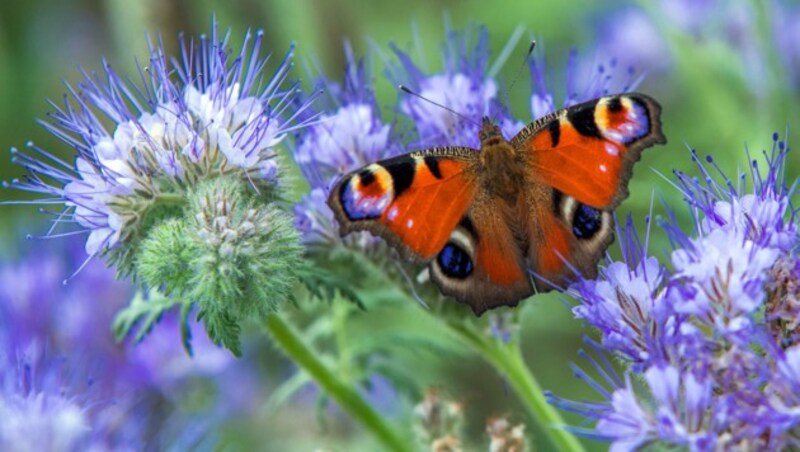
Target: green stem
(345, 395)
(507, 360)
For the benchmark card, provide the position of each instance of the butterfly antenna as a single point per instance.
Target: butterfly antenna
(519, 72)
(408, 90)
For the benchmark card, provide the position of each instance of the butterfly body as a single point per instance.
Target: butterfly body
(486, 220)
(503, 171)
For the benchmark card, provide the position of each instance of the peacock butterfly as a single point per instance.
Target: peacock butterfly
(484, 221)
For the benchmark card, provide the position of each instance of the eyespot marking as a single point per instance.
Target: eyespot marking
(586, 222)
(454, 262)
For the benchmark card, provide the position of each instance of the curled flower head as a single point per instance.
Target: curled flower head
(176, 178)
(140, 145)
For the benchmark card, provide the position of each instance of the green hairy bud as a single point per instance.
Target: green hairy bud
(232, 254)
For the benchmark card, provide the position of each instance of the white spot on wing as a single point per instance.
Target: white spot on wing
(603, 168)
(392, 214)
(611, 149)
(410, 223)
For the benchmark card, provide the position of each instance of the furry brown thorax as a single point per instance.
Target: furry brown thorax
(499, 161)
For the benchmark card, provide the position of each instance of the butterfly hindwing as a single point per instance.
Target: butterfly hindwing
(566, 236)
(413, 201)
(482, 263)
(588, 151)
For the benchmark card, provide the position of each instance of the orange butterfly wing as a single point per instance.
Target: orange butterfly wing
(588, 150)
(579, 162)
(413, 201)
(486, 241)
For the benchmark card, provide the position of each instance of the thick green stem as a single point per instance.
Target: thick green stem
(344, 394)
(507, 360)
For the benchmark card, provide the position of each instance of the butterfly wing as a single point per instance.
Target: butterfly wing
(579, 162)
(588, 151)
(482, 263)
(412, 201)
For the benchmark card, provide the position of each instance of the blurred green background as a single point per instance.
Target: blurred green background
(709, 103)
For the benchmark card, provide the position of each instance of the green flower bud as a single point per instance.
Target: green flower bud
(245, 256)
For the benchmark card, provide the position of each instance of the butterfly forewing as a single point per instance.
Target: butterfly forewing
(413, 201)
(588, 151)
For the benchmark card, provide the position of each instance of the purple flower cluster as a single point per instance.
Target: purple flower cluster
(208, 113)
(350, 133)
(714, 333)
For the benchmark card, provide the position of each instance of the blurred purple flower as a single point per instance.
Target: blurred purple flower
(348, 134)
(715, 335)
(786, 34)
(464, 86)
(631, 37)
(208, 112)
(596, 80)
(41, 408)
(66, 385)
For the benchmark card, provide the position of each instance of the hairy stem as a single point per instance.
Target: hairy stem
(345, 395)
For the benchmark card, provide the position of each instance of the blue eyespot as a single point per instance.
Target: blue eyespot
(586, 222)
(357, 207)
(454, 262)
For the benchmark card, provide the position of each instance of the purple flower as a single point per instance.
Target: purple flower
(464, 86)
(205, 114)
(350, 138)
(786, 35)
(715, 331)
(626, 302)
(596, 80)
(64, 382)
(348, 134)
(631, 37)
(40, 410)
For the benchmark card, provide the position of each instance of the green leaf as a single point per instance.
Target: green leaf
(222, 329)
(323, 284)
(186, 332)
(144, 310)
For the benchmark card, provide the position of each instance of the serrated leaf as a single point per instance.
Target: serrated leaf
(144, 310)
(223, 330)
